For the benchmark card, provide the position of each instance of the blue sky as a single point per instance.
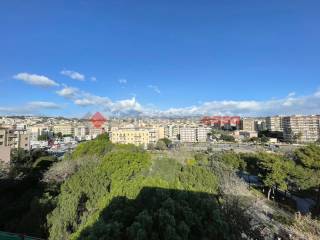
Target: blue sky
(160, 57)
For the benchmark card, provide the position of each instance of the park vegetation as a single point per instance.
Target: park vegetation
(112, 191)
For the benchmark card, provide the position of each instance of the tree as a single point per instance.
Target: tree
(297, 137)
(227, 138)
(166, 141)
(274, 171)
(59, 135)
(43, 137)
(161, 145)
(264, 139)
(307, 174)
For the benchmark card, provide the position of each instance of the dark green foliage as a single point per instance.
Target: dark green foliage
(166, 141)
(308, 156)
(307, 174)
(58, 135)
(26, 203)
(78, 199)
(161, 145)
(227, 138)
(271, 134)
(158, 213)
(44, 137)
(229, 159)
(264, 139)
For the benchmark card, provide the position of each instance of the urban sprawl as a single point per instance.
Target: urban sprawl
(61, 135)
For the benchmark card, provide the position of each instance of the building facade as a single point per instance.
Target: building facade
(12, 139)
(301, 129)
(274, 123)
(134, 136)
(64, 129)
(247, 124)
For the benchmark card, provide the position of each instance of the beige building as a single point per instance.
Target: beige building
(10, 139)
(247, 124)
(65, 129)
(245, 134)
(188, 134)
(202, 133)
(18, 139)
(136, 136)
(3, 137)
(155, 134)
(38, 130)
(274, 123)
(301, 129)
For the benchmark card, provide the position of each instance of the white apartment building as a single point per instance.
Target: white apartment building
(301, 129)
(274, 123)
(202, 133)
(171, 132)
(188, 134)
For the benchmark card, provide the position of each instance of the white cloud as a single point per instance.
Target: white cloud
(123, 81)
(68, 92)
(34, 79)
(30, 108)
(43, 105)
(291, 104)
(155, 88)
(73, 75)
(93, 79)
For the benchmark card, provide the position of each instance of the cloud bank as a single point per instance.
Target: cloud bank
(288, 105)
(30, 108)
(34, 79)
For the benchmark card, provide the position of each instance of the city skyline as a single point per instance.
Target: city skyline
(169, 59)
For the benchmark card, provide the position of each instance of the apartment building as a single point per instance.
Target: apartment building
(81, 131)
(10, 139)
(155, 133)
(3, 137)
(202, 133)
(301, 129)
(64, 129)
(247, 124)
(39, 130)
(274, 123)
(260, 125)
(171, 132)
(188, 134)
(18, 139)
(136, 136)
(224, 122)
